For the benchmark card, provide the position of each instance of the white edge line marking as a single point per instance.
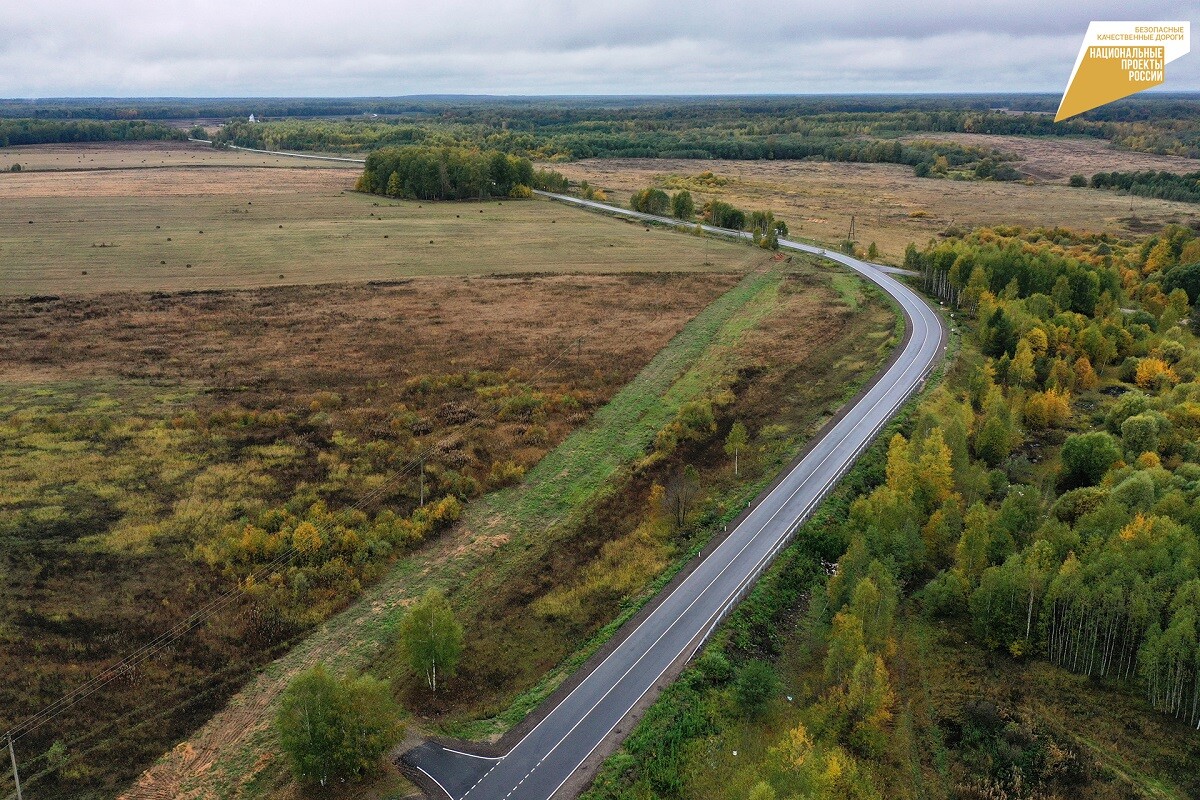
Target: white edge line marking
(435, 780)
(770, 555)
(767, 558)
(870, 275)
(471, 755)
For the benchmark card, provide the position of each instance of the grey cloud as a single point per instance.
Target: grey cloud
(371, 47)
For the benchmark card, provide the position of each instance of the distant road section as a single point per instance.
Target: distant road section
(538, 766)
(548, 755)
(282, 153)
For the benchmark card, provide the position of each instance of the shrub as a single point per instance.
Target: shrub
(945, 595)
(714, 666)
(1086, 457)
(650, 201)
(756, 684)
(504, 473)
(1154, 373)
(1049, 409)
(1135, 492)
(1074, 504)
(336, 729)
(1139, 434)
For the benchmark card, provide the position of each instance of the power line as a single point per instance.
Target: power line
(127, 664)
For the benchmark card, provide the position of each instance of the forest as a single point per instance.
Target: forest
(1162, 185)
(836, 128)
(15, 132)
(603, 139)
(1041, 502)
(452, 173)
(1094, 566)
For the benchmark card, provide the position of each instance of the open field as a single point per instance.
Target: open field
(892, 207)
(146, 155)
(1054, 159)
(224, 227)
(175, 415)
(537, 570)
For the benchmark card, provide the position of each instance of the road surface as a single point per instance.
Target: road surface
(549, 754)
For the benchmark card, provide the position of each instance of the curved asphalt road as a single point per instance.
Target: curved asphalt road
(538, 766)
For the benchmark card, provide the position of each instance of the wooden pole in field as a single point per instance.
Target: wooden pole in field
(12, 754)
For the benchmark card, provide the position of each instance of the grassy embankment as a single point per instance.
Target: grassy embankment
(944, 700)
(513, 543)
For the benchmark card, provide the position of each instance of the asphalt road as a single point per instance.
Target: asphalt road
(540, 763)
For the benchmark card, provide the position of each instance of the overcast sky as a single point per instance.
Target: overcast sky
(359, 47)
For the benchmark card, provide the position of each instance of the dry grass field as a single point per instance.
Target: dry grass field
(893, 207)
(181, 396)
(223, 226)
(134, 427)
(536, 569)
(145, 155)
(1049, 158)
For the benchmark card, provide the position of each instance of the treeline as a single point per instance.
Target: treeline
(1008, 262)
(540, 110)
(1162, 185)
(765, 228)
(753, 146)
(762, 127)
(450, 173)
(614, 139)
(744, 130)
(1094, 563)
(15, 132)
(337, 136)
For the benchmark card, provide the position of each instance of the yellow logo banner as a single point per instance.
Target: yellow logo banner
(1118, 59)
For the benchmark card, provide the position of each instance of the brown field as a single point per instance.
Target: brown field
(179, 397)
(532, 583)
(188, 227)
(146, 155)
(1051, 159)
(892, 207)
(134, 426)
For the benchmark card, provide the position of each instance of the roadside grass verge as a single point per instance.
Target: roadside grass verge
(562, 482)
(507, 536)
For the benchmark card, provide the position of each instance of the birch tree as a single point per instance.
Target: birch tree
(432, 638)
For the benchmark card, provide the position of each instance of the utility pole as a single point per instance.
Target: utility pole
(422, 479)
(12, 754)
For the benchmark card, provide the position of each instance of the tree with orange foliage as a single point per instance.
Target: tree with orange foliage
(1048, 409)
(1085, 376)
(1160, 258)
(1154, 373)
(306, 538)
